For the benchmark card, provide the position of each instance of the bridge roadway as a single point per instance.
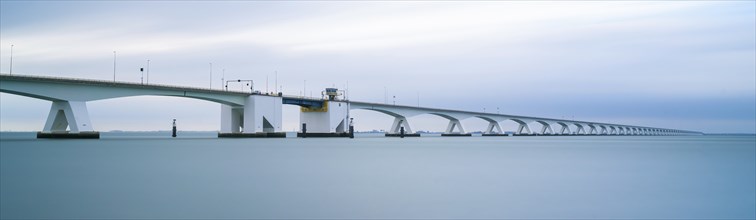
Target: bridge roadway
(69, 115)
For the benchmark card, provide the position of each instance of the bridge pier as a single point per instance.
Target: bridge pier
(523, 126)
(603, 130)
(493, 129)
(580, 129)
(593, 130)
(545, 127)
(330, 120)
(455, 124)
(396, 127)
(68, 114)
(259, 117)
(231, 119)
(565, 128)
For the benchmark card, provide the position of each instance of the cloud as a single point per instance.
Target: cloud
(463, 55)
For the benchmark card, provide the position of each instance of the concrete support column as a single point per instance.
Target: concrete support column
(493, 128)
(546, 127)
(593, 130)
(262, 114)
(333, 117)
(580, 129)
(613, 131)
(566, 128)
(231, 119)
(68, 114)
(454, 124)
(522, 127)
(400, 122)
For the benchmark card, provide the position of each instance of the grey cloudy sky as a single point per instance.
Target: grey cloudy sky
(686, 65)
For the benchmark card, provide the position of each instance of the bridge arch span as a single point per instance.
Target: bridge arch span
(523, 125)
(82, 92)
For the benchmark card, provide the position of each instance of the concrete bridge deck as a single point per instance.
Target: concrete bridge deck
(68, 113)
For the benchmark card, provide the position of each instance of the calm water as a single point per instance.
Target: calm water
(128, 175)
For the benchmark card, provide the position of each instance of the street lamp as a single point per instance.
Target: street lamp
(211, 75)
(114, 65)
(148, 71)
(11, 61)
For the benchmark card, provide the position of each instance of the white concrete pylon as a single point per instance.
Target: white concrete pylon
(454, 124)
(565, 128)
(493, 128)
(400, 122)
(68, 114)
(522, 127)
(613, 130)
(332, 117)
(232, 119)
(603, 130)
(593, 129)
(580, 129)
(545, 127)
(262, 114)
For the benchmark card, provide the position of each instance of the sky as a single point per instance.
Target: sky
(675, 64)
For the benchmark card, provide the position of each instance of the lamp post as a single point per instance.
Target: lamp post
(148, 71)
(11, 61)
(114, 65)
(211, 75)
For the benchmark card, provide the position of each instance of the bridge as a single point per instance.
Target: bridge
(255, 114)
